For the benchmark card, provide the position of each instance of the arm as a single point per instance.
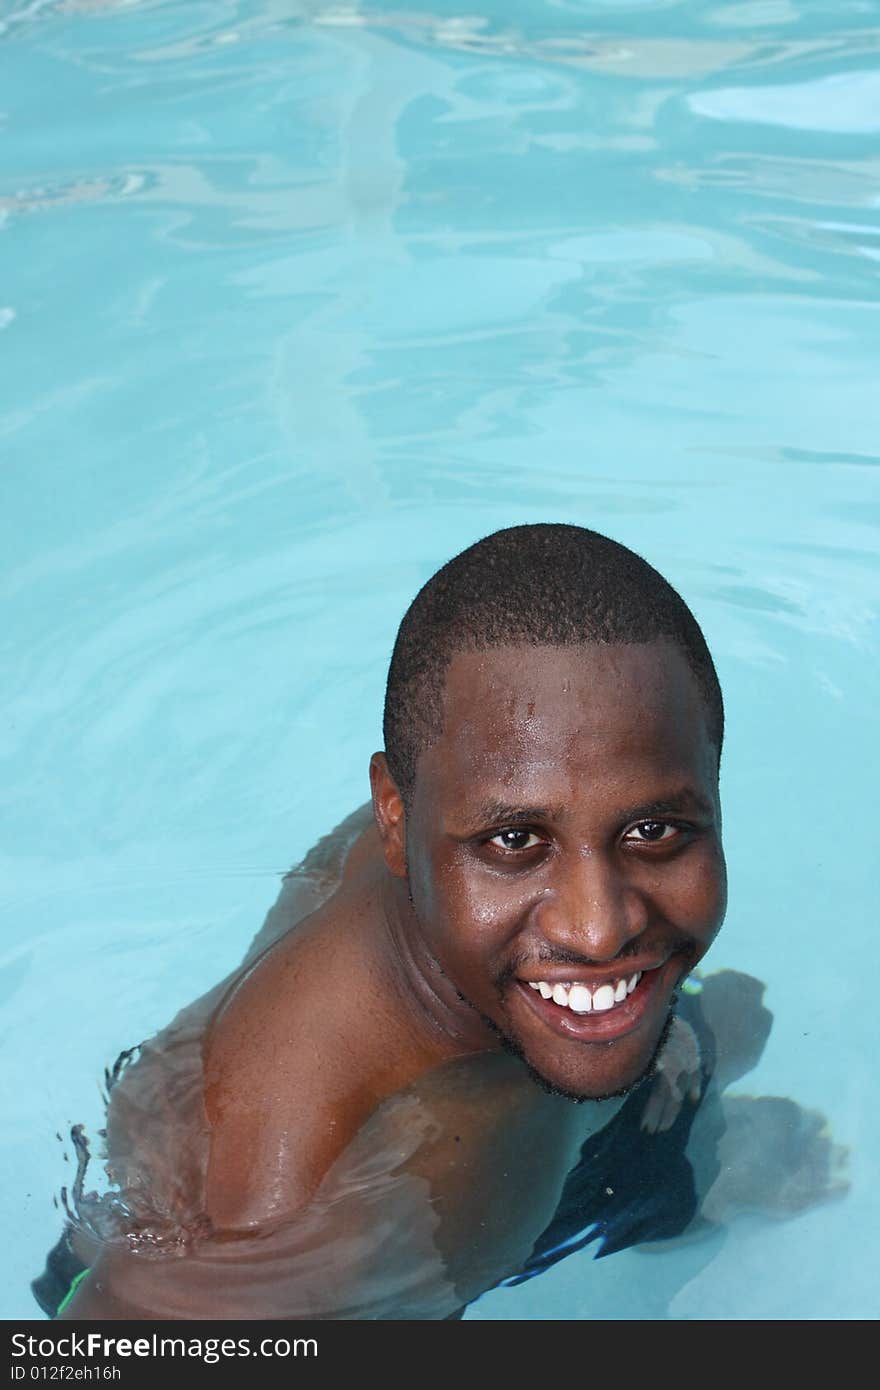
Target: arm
(677, 1074)
(730, 1004)
(441, 1194)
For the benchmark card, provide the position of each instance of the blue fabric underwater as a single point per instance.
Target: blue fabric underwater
(630, 1187)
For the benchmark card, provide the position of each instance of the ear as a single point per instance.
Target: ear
(389, 814)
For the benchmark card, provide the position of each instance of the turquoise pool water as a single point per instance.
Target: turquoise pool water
(296, 301)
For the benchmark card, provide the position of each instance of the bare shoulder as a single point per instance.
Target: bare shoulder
(348, 851)
(284, 1091)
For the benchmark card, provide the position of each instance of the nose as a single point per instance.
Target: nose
(592, 911)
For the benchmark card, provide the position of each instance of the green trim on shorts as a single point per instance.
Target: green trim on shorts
(77, 1280)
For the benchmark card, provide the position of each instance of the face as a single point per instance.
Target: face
(563, 851)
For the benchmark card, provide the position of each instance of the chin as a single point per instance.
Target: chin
(579, 1088)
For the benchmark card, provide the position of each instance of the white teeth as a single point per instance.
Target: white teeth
(581, 1000)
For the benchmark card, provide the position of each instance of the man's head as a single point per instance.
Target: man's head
(549, 794)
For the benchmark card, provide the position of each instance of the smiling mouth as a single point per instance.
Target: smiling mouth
(583, 1000)
(600, 1011)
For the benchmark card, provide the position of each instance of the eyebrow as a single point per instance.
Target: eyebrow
(681, 802)
(495, 812)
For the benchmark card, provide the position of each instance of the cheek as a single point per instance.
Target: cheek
(462, 911)
(689, 893)
(433, 896)
(702, 894)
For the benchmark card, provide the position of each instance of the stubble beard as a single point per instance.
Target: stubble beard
(512, 1045)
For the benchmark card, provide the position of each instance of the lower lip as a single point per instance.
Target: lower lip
(607, 1024)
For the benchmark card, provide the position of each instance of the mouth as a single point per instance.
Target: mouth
(597, 1010)
(583, 1000)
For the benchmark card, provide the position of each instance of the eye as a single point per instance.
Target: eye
(652, 832)
(513, 838)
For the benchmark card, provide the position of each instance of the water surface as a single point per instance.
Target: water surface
(299, 299)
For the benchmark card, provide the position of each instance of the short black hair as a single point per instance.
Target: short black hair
(544, 585)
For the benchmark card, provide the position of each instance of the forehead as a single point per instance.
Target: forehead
(539, 720)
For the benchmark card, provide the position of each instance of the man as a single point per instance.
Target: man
(385, 1105)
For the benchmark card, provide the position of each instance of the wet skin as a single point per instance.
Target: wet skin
(565, 827)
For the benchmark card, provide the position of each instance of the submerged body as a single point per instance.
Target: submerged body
(470, 1176)
(450, 1177)
(289, 1117)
